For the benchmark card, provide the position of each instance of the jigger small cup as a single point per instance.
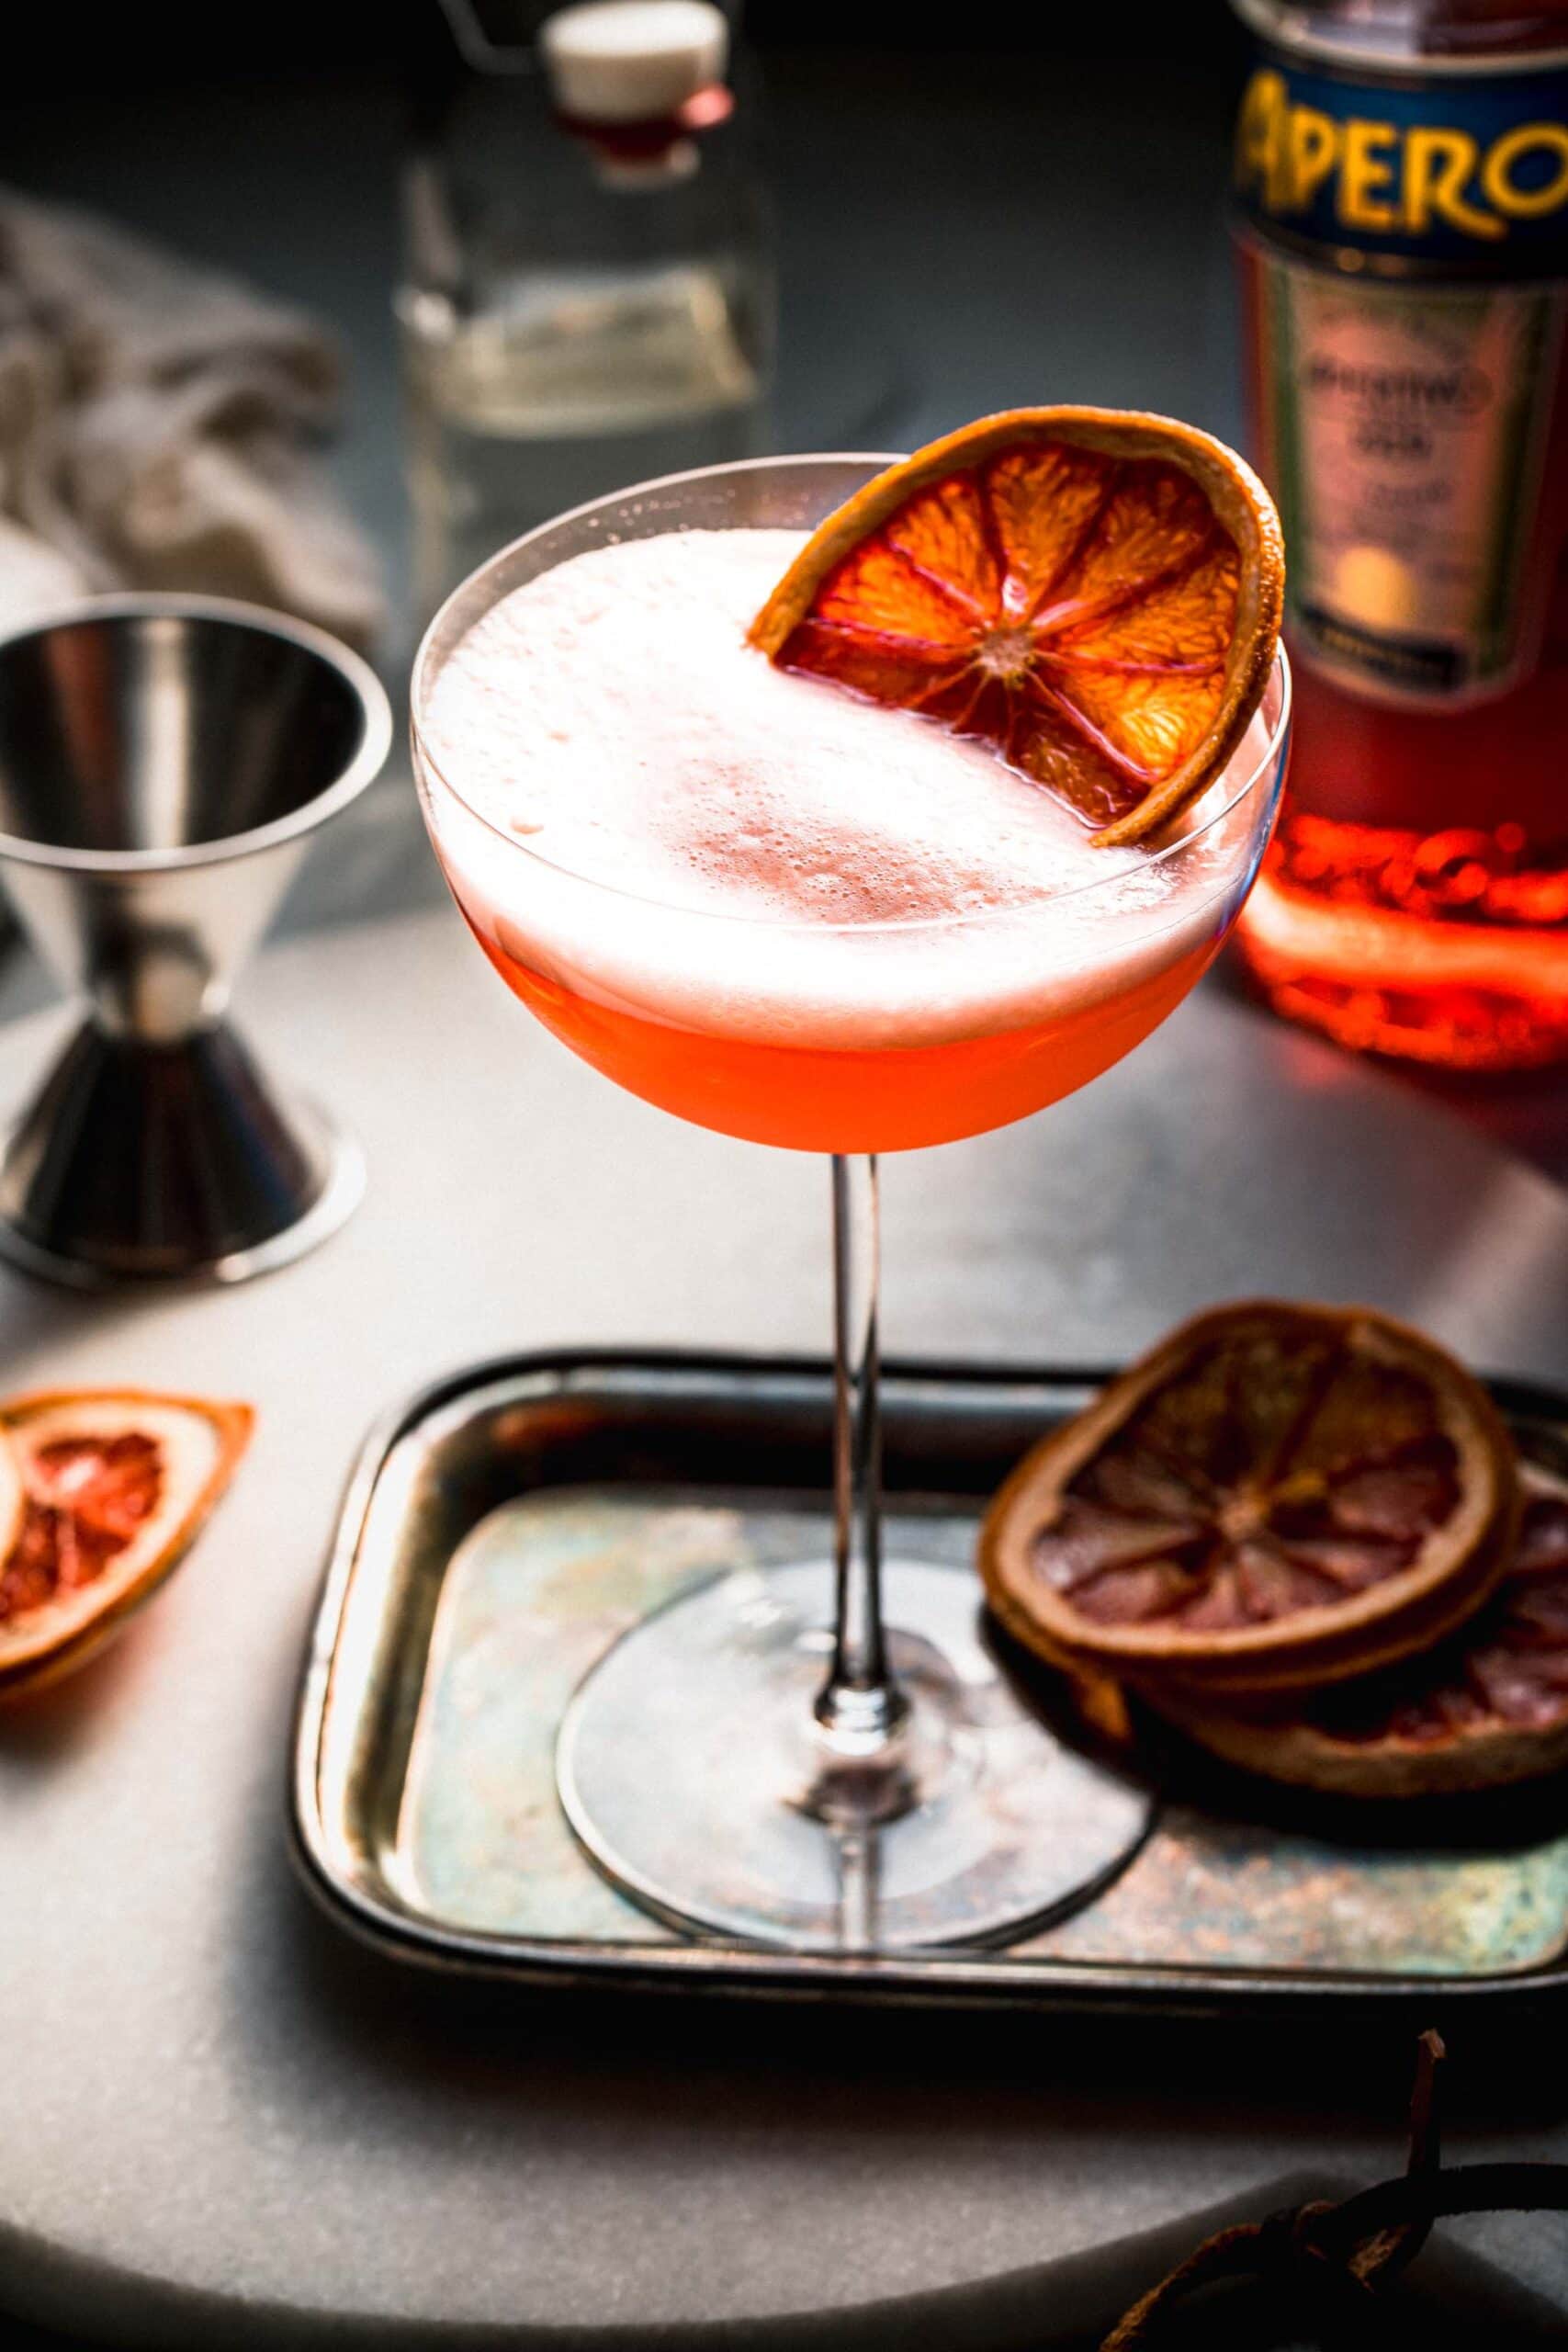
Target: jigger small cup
(164, 764)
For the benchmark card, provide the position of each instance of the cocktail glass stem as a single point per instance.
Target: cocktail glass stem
(861, 1709)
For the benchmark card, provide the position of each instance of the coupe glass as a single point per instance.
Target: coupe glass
(828, 1756)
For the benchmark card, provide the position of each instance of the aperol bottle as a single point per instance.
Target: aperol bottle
(1402, 167)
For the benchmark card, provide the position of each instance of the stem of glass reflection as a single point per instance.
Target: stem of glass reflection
(860, 1707)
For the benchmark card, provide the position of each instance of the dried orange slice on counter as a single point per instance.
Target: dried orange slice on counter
(1487, 1707)
(13, 1498)
(113, 1486)
(1096, 592)
(1277, 1496)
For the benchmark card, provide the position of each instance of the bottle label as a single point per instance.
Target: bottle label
(1438, 173)
(1405, 432)
(1407, 326)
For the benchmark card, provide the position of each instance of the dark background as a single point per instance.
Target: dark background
(99, 47)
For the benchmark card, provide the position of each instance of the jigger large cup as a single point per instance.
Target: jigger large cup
(165, 761)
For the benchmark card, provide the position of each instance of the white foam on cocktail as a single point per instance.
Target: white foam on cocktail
(687, 831)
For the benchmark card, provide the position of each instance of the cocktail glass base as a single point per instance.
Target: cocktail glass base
(693, 1771)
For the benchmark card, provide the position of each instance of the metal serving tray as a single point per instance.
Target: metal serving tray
(504, 1527)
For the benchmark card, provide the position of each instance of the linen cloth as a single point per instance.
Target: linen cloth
(160, 427)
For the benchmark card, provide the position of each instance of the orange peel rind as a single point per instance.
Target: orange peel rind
(114, 1486)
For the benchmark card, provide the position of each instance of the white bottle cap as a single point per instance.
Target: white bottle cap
(633, 60)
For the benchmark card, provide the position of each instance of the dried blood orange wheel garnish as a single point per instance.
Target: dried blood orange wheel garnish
(1095, 592)
(111, 1485)
(1277, 1496)
(1486, 1707)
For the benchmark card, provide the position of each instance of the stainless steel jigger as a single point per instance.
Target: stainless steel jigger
(164, 763)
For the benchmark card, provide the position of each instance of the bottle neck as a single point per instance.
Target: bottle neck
(1437, 36)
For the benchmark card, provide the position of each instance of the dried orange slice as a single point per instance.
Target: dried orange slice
(1487, 1707)
(1277, 1496)
(12, 1496)
(114, 1485)
(1095, 592)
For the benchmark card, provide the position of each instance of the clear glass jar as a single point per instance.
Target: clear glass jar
(587, 302)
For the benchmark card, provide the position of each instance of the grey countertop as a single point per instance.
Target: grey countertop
(220, 2122)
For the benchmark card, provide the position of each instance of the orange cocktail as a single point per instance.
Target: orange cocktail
(808, 917)
(776, 909)
(837, 1098)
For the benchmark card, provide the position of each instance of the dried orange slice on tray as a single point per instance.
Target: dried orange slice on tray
(1485, 1708)
(1097, 593)
(1276, 1496)
(113, 1484)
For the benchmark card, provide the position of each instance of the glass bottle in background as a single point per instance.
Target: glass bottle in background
(1402, 172)
(589, 294)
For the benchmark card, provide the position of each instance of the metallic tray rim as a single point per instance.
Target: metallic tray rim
(984, 1980)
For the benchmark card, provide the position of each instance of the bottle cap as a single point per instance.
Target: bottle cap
(633, 60)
